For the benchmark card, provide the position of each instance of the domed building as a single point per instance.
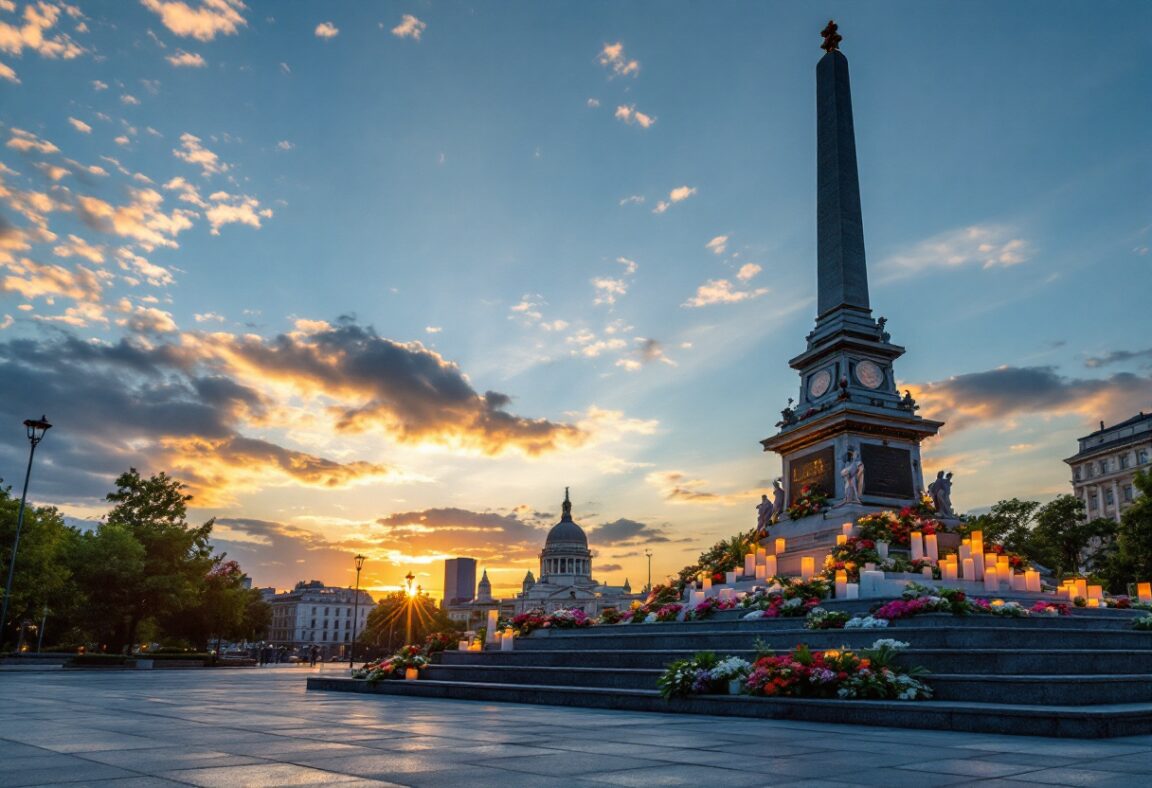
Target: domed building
(566, 574)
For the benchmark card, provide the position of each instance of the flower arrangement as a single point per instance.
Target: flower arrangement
(837, 673)
(688, 676)
(611, 615)
(850, 556)
(998, 607)
(1050, 609)
(410, 656)
(727, 555)
(531, 620)
(657, 598)
(441, 641)
(819, 618)
(918, 599)
(896, 527)
(730, 669)
(709, 606)
(865, 622)
(1018, 562)
(812, 500)
(667, 612)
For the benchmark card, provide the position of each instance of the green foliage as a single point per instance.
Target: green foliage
(1062, 535)
(1009, 524)
(1130, 558)
(680, 678)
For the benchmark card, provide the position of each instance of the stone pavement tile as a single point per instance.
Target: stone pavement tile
(440, 758)
(123, 782)
(566, 763)
(482, 777)
(41, 760)
(1074, 776)
(380, 765)
(271, 775)
(678, 775)
(810, 784)
(1028, 759)
(1065, 748)
(1130, 764)
(15, 749)
(330, 733)
(969, 767)
(767, 749)
(82, 741)
(167, 758)
(273, 746)
(81, 770)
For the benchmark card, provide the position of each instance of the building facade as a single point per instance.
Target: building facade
(459, 580)
(1103, 468)
(313, 614)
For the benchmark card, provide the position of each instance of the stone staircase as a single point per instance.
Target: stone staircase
(1087, 675)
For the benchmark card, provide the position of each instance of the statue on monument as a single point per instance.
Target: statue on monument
(941, 492)
(777, 501)
(947, 496)
(787, 416)
(763, 516)
(884, 335)
(908, 403)
(853, 475)
(832, 39)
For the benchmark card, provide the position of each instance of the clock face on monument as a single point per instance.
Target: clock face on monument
(819, 383)
(869, 374)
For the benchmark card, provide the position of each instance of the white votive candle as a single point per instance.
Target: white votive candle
(847, 529)
(927, 572)
(882, 550)
(931, 549)
(762, 571)
(707, 585)
(853, 590)
(750, 565)
(770, 568)
(969, 566)
(841, 584)
(948, 571)
(729, 577)
(991, 579)
(1081, 587)
(916, 541)
(1144, 592)
(761, 552)
(780, 543)
(841, 539)
(1095, 592)
(490, 630)
(807, 567)
(1032, 581)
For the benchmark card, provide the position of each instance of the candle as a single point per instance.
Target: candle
(462, 645)
(930, 547)
(490, 631)
(882, 550)
(1032, 581)
(695, 598)
(841, 584)
(727, 594)
(853, 590)
(965, 551)
(509, 639)
(807, 567)
(762, 571)
(1002, 565)
(780, 545)
(1095, 592)
(969, 569)
(1144, 592)
(1093, 603)
(991, 578)
(707, 585)
(1081, 587)
(841, 539)
(1018, 581)
(869, 565)
(750, 565)
(730, 578)
(770, 568)
(761, 552)
(927, 572)
(917, 544)
(977, 538)
(948, 571)
(847, 529)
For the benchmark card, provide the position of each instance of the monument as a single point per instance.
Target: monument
(850, 435)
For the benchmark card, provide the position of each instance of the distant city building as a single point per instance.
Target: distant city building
(566, 574)
(1103, 468)
(459, 580)
(315, 614)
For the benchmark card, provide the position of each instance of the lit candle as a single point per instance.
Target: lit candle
(882, 550)
(462, 645)
(1018, 581)
(847, 529)
(841, 584)
(948, 571)
(727, 594)
(991, 578)
(1144, 592)
(969, 569)
(917, 544)
(762, 571)
(750, 565)
(780, 542)
(1032, 581)
(1095, 592)
(490, 630)
(696, 598)
(807, 567)
(965, 551)
(1093, 603)
(730, 578)
(707, 585)
(509, 639)
(931, 549)
(841, 539)
(853, 590)
(770, 568)
(1081, 587)
(761, 552)
(927, 572)
(1002, 565)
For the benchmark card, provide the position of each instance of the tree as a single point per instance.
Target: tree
(1062, 536)
(1130, 560)
(385, 628)
(107, 564)
(177, 556)
(42, 577)
(1007, 524)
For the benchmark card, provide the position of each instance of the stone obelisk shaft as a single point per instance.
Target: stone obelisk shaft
(842, 277)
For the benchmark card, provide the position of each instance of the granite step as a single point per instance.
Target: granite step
(1097, 721)
(1079, 619)
(1045, 690)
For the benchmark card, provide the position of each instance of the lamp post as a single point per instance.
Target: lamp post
(648, 552)
(36, 430)
(355, 609)
(408, 623)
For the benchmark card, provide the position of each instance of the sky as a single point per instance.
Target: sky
(387, 277)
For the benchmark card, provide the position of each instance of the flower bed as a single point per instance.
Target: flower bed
(708, 607)
(837, 673)
(812, 500)
(529, 621)
(896, 528)
(410, 656)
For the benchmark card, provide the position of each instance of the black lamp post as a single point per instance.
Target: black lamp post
(355, 610)
(408, 622)
(36, 430)
(648, 553)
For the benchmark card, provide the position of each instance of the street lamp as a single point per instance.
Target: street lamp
(408, 602)
(355, 609)
(36, 430)
(648, 552)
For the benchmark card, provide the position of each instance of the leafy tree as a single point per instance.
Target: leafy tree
(1130, 560)
(108, 564)
(42, 577)
(1062, 536)
(1008, 524)
(384, 630)
(177, 556)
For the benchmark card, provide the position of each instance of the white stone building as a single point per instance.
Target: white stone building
(1103, 468)
(315, 614)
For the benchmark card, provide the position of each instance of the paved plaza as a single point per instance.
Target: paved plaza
(259, 727)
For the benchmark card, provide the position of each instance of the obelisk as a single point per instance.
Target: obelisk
(842, 278)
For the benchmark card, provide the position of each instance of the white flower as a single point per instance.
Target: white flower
(867, 622)
(891, 643)
(755, 614)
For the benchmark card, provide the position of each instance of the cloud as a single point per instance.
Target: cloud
(608, 289)
(607, 568)
(1006, 392)
(32, 34)
(129, 100)
(78, 247)
(202, 21)
(7, 72)
(192, 152)
(182, 59)
(626, 533)
(633, 199)
(630, 266)
(209, 317)
(284, 145)
(612, 57)
(80, 126)
(234, 209)
(678, 487)
(142, 219)
(26, 142)
(679, 194)
(592, 103)
(717, 245)
(409, 27)
(988, 246)
(36, 280)
(149, 320)
(433, 329)
(631, 115)
(721, 291)
(326, 30)
(1118, 357)
(748, 271)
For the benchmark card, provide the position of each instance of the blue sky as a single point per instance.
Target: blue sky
(284, 250)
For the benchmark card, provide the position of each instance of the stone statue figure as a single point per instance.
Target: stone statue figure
(763, 515)
(853, 475)
(777, 501)
(832, 39)
(884, 335)
(946, 498)
(787, 416)
(908, 402)
(935, 492)
(941, 492)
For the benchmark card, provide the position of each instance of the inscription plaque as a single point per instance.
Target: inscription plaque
(817, 469)
(887, 471)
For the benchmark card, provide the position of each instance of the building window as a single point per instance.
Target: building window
(1092, 502)
(1127, 493)
(1124, 461)
(1142, 456)
(1108, 498)
(1103, 467)
(1076, 473)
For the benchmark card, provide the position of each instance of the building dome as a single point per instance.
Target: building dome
(566, 531)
